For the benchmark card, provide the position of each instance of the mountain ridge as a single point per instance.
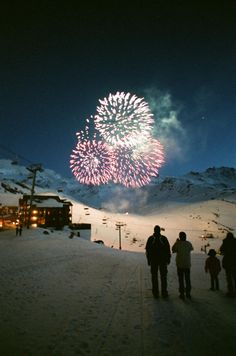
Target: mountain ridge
(213, 183)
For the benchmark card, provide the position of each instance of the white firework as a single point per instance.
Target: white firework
(122, 117)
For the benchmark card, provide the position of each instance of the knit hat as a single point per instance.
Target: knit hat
(212, 252)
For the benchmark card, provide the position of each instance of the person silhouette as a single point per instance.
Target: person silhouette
(183, 249)
(228, 250)
(212, 265)
(158, 257)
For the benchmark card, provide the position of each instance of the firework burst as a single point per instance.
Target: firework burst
(92, 161)
(125, 152)
(135, 166)
(121, 117)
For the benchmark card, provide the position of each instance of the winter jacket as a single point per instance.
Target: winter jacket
(182, 250)
(228, 249)
(212, 265)
(158, 250)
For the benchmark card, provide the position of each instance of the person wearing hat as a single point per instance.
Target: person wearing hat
(212, 265)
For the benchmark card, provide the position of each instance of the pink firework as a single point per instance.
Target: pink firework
(92, 162)
(121, 117)
(135, 166)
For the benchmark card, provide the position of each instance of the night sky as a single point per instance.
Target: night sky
(57, 61)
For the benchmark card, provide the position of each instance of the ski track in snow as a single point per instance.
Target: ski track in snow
(72, 297)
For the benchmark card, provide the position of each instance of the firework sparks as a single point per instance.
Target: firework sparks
(135, 166)
(126, 153)
(92, 162)
(121, 117)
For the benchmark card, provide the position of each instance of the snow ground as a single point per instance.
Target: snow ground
(196, 219)
(72, 297)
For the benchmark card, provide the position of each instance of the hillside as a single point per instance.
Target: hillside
(214, 183)
(64, 296)
(198, 203)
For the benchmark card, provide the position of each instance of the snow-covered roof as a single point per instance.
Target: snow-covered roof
(10, 199)
(48, 203)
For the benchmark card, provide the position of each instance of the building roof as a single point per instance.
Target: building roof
(47, 201)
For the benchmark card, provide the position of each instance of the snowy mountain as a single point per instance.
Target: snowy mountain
(214, 183)
(198, 203)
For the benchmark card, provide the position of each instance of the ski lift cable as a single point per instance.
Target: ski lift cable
(18, 156)
(6, 149)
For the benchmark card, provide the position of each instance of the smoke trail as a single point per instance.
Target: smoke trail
(167, 128)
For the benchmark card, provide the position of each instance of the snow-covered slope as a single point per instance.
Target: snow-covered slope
(198, 203)
(194, 186)
(69, 296)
